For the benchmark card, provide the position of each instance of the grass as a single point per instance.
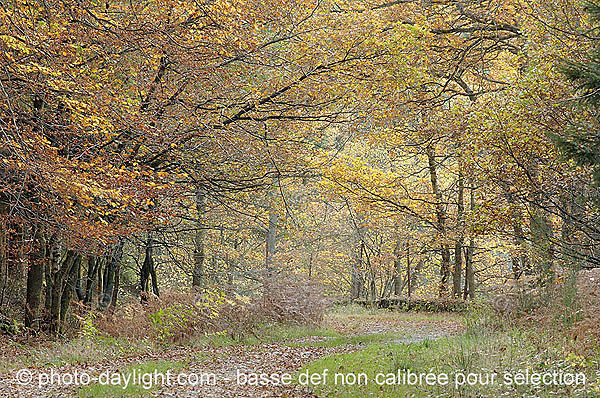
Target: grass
(71, 352)
(481, 356)
(352, 340)
(490, 347)
(286, 334)
(362, 312)
(266, 334)
(99, 348)
(95, 348)
(489, 354)
(134, 388)
(301, 336)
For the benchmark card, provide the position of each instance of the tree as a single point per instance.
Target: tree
(581, 143)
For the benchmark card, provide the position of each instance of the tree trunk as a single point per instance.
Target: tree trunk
(111, 275)
(457, 271)
(35, 276)
(51, 266)
(373, 290)
(146, 265)
(441, 222)
(115, 293)
(67, 291)
(100, 280)
(398, 269)
(79, 290)
(107, 284)
(469, 289)
(154, 279)
(199, 256)
(357, 279)
(90, 283)
(271, 241)
(148, 271)
(409, 273)
(58, 285)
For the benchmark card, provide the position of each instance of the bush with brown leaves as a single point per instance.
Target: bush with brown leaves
(588, 289)
(292, 299)
(176, 317)
(172, 317)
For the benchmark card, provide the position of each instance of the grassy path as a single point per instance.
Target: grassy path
(218, 364)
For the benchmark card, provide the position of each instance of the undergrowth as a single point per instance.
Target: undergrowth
(538, 334)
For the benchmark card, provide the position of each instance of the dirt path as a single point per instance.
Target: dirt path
(222, 363)
(217, 368)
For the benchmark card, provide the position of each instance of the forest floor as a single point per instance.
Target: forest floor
(219, 363)
(351, 342)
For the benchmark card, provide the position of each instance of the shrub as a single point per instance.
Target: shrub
(481, 318)
(588, 293)
(291, 299)
(568, 301)
(517, 297)
(170, 318)
(177, 317)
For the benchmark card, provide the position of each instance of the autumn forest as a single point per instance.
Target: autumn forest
(181, 170)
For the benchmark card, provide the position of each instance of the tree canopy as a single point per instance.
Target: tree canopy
(385, 149)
